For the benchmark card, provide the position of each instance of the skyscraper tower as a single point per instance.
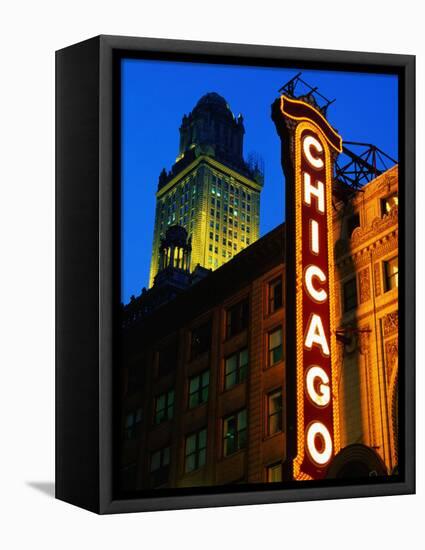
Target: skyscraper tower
(210, 190)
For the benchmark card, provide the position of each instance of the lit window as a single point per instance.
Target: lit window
(164, 407)
(198, 389)
(275, 348)
(350, 294)
(274, 473)
(195, 451)
(391, 274)
(274, 412)
(235, 369)
(234, 433)
(275, 295)
(389, 203)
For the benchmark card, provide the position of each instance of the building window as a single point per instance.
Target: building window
(275, 295)
(164, 407)
(391, 274)
(237, 318)
(195, 451)
(234, 433)
(388, 204)
(274, 412)
(275, 347)
(167, 359)
(274, 472)
(200, 339)
(198, 389)
(159, 466)
(352, 222)
(235, 369)
(350, 294)
(132, 422)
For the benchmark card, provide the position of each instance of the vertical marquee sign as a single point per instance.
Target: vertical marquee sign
(309, 148)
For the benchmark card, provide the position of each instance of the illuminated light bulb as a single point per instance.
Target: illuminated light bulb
(313, 271)
(309, 143)
(318, 192)
(314, 236)
(317, 373)
(316, 334)
(319, 456)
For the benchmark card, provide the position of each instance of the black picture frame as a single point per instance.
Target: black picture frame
(87, 269)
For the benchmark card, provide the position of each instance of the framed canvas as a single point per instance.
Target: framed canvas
(235, 274)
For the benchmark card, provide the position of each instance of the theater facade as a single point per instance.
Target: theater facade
(203, 378)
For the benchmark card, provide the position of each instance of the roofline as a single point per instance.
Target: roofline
(215, 164)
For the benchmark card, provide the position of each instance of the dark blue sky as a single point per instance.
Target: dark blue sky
(156, 94)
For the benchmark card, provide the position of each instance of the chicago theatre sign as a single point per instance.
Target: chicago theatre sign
(309, 147)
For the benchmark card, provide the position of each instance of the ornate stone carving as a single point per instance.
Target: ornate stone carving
(363, 341)
(378, 288)
(364, 285)
(391, 355)
(390, 323)
(379, 225)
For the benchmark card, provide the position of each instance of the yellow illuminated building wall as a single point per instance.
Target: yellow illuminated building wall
(366, 290)
(211, 190)
(219, 208)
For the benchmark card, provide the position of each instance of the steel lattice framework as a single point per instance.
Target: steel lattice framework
(359, 163)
